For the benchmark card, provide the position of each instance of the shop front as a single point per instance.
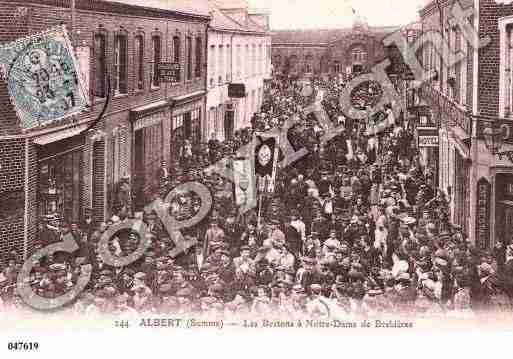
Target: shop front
(461, 183)
(60, 178)
(148, 153)
(504, 207)
(186, 122)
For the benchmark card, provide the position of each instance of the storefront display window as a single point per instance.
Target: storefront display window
(60, 184)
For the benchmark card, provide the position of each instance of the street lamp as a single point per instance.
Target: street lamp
(493, 139)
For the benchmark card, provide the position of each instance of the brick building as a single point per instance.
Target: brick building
(61, 169)
(470, 101)
(329, 51)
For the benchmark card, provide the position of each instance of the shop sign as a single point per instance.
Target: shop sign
(168, 71)
(427, 137)
(148, 121)
(236, 90)
(484, 189)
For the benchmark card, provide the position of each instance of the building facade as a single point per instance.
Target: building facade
(60, 169)
(239, 63)
(470, 100)
(328, 51)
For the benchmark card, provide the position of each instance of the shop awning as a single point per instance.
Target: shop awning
(60, 135)
(188, 98)
(148, 109)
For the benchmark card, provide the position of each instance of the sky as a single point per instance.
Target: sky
(294, 14)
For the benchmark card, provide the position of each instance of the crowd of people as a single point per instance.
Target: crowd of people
(356, 227)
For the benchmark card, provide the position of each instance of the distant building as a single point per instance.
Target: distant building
(239, 62)
(328, 51)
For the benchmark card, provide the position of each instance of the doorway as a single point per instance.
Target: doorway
(504, 208)
(229, 116)
(357, 69)
(138, 181)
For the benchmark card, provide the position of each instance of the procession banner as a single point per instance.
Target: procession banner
(379, 122)
(266, 160)
(244, 181)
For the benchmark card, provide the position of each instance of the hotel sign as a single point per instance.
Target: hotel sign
(484, 191)
(427, 136)
(169, 72)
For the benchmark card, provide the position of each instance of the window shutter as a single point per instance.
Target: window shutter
(99, 66)
(123, 85)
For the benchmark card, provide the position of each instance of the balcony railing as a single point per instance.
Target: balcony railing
(455, 115)
(450, 113)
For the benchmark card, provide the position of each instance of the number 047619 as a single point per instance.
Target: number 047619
(22, 346)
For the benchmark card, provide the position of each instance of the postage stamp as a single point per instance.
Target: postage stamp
(42, 76)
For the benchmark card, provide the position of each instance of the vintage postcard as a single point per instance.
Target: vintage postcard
(190, 168)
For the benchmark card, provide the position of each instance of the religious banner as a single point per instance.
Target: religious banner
(379, 122)
(244, 182)
(484, 190)
(266, 160)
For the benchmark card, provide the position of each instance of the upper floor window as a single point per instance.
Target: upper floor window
(253, 60)
(199, 52)
(228, 63)
(247, 62)
(238, 61)
(100, 65)
(276, 62)
(260, 67)
(176, 54)
(120, 64)
(506, 65)
(188, 47)
(336, 66)
(139, 61)
(220, 67)
(358, 55)
(212, 64)
(156, 57)
(308, 63)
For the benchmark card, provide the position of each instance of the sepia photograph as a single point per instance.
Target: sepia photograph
(191, 168)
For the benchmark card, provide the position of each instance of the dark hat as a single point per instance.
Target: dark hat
(106, 273)
(308, 260)
(263, 249)
(441, 253)
(165, 288)
(184, 293)
(316, 287)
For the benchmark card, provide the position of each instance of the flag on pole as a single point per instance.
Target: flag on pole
(266, 160)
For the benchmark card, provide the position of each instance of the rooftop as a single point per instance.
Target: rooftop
(323, 36)
(196, 7)
(222, 21)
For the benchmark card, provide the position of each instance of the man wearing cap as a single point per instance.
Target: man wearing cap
(508, 271)
(244, 264)
(213, 237)
(307, 274)
(316, 305)
(46, 235)
(124, 194)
